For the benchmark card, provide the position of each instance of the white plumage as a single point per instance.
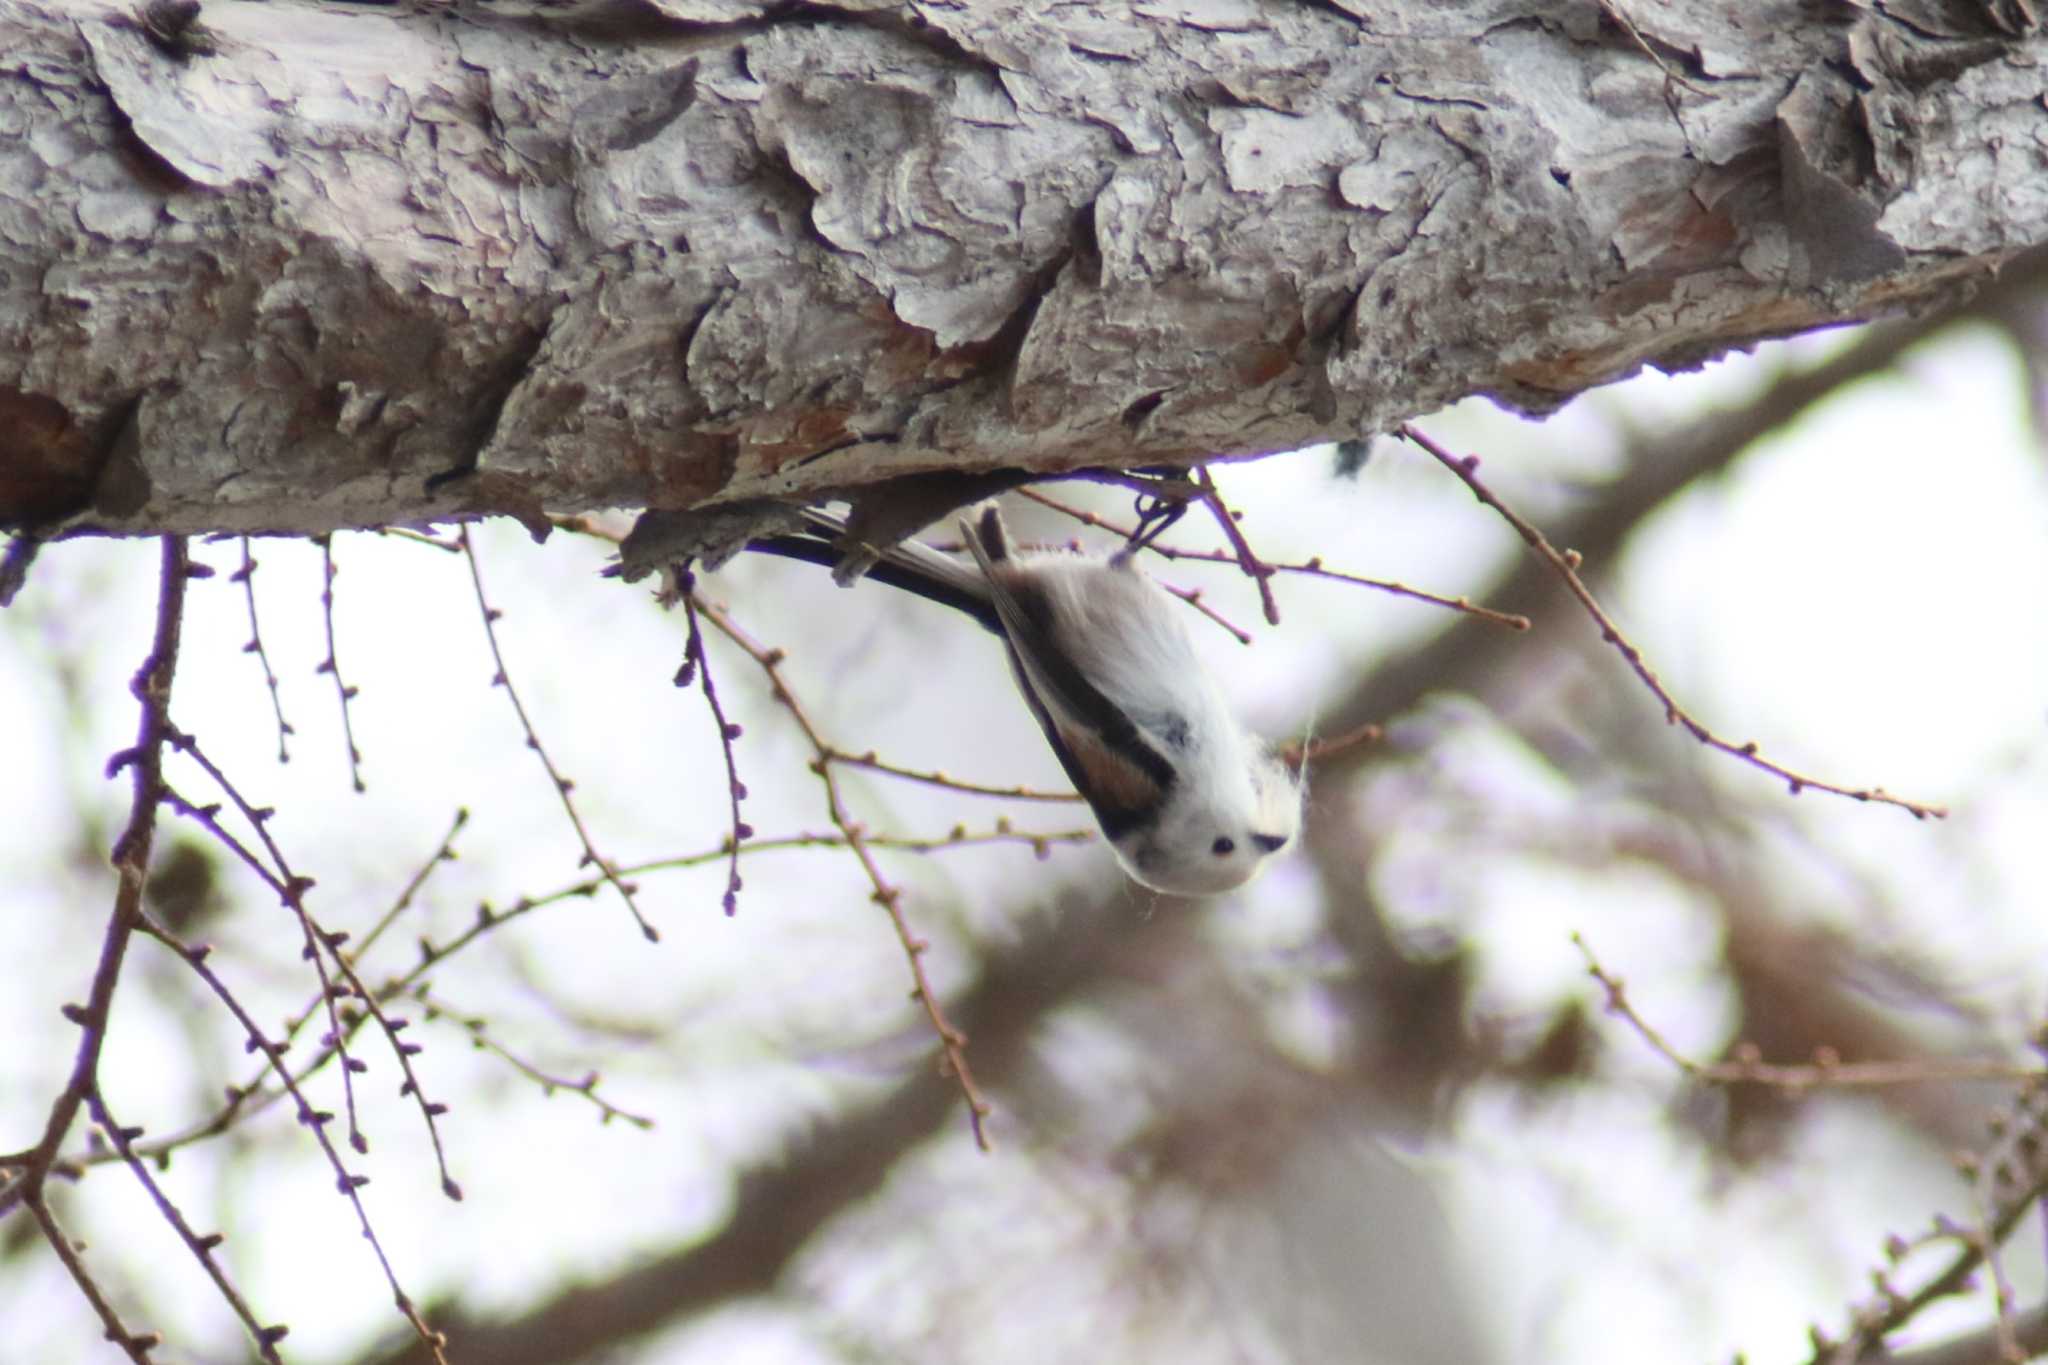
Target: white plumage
(1191, 801)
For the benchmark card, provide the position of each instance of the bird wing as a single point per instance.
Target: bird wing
(1107, 757)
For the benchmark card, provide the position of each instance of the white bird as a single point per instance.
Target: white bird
(1191, 801)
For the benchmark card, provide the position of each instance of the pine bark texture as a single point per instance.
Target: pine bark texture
(297, 266)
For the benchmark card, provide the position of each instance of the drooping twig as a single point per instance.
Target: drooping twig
(1566, 565)
(291, 889)
(952, 1042)
(696, 665)
(562, 785)
(291, 893)
(1255, 568)
(245, 1100)
(246, 576)
(347, 1183)
(331, 665)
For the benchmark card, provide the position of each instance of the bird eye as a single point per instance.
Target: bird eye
(1270, 843)
(1223, 847)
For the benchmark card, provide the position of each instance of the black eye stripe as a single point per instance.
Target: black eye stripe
(1224, 846)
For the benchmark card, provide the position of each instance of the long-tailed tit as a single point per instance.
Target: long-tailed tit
(1191, 801)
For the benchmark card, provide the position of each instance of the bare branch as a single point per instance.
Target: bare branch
(695, 663)
(562, 785)
(1312, 568)
(152, 688)
(952, 1042)
(1826, 1071)
(202, 1247)
(1566, 564)
(246, 576)
(331, 665)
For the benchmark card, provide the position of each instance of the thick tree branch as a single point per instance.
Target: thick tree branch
(344, 265)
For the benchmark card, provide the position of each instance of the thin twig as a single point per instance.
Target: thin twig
(251, 1098)
(696, 664)
(331, 665)
(246, 576)
(2004, 1183)
(291, 890)
(1566, 564)
(444, 852)
(935, 778)
(478, 1028)
(1313, 568)
(489, 918)
(1255, 568)
(135, 1345)
(1826, 1071)
(202, 1248)
(562, 785)
(347, 1184)
(1307, 753)
(1194, 598)
(292, 895)
(952, 1042)
(2011, 1180)
(1507, 619)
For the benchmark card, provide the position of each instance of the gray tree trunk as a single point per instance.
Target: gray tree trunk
(297, 266)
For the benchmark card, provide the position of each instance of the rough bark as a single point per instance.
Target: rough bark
(299, 266)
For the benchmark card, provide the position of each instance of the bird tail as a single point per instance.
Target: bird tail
(910, 565)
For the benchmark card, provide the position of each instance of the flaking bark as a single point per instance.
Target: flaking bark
(298, 266)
